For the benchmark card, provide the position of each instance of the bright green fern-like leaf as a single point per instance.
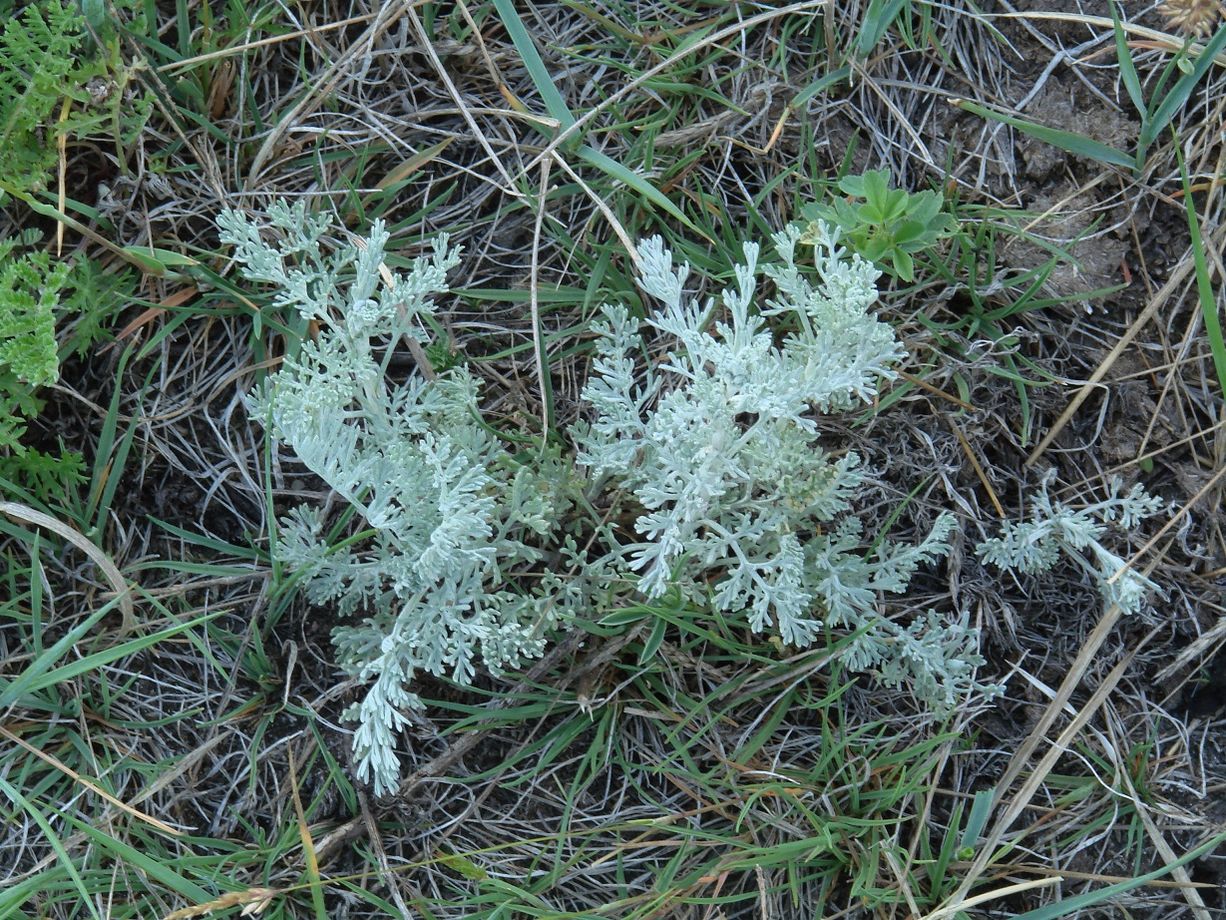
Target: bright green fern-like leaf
(38, 64)
(47, 308)
(29, 293)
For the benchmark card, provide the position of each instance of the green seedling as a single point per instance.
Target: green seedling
(885, 225)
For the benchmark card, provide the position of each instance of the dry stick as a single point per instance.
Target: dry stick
(935, 391)
(977, 466)
(61, 197)
(1164, 294)
(901, 878)
(1200, 493)
(1112, 745)
(1048, 871)
(1040, 219)
(1174, 381)
(1148, 455)
(534, 305)
(388, 874)
(490, 66)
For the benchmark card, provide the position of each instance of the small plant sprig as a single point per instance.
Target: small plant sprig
(887, 226)
(1054, 528)
(743, 508)
(42, 300)
(450, 515)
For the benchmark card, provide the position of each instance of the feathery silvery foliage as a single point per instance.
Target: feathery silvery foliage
(742, 505)
(449, 516)
(719, 446)
(1035, 545)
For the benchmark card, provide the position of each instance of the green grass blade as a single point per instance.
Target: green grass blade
(880, 16)
(631, 179)
(156, 870)
(1128, 72)
(39, 675)
(1204, 287)
(1182, 90)
(555, 105)
(110, 457)
(53, 839)
(31, 678)
(820, 85)
(1076, 144)
(211, 544)
(981, 807)
(654, 640)
(106, 656)
(1067, 906)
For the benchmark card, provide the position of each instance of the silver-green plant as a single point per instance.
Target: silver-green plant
(449, 515)
(1055, 528)
(742, 505)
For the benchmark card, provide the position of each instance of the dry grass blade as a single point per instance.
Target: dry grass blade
(89, 784)
(77, 539)
(309, 854)
(989, 896)
(1171, 42)
(508, 186)
(1164, 294)
(325, 83)
(254, 901)
(978, 468)
(412, 165)
(1021, 799)
(1196, 650)
(264, 42)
